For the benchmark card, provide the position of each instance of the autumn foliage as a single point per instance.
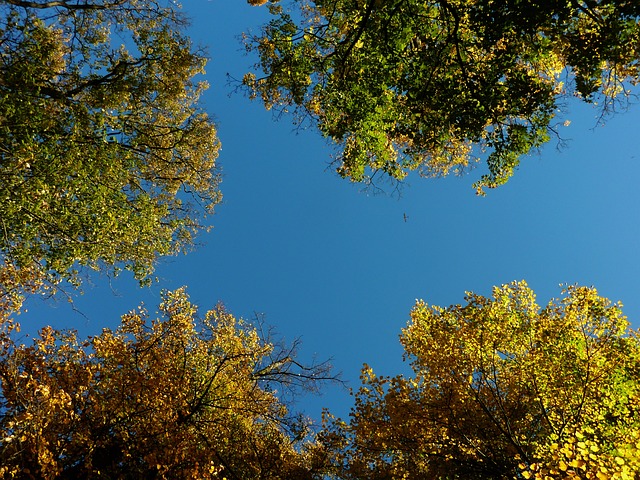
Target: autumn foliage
(108, 161)
(173, 397)
(502, 389)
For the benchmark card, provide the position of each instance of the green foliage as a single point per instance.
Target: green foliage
(437, 86)
(106, 159)
(173, 397)
(502, 389)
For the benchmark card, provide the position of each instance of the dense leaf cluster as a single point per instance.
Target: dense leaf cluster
(173, 397)
(103, 146)
(502, 389)
(431, 86)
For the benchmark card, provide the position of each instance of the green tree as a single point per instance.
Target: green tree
(502, 389)
(106, 158)
(437, 86)
(175, 397)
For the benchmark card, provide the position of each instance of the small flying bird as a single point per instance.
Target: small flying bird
(405, 217)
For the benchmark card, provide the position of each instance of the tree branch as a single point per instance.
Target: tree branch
(64, 4)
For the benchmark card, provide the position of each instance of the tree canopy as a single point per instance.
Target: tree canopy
(435, 87)
(502, 389)
(107, 161)
(174, 397)
(106, 157)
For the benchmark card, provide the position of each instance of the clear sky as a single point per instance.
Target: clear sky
(341, 268)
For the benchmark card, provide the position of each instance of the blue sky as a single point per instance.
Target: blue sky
(341, 268)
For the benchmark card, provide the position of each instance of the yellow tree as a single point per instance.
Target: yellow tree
(502, 389)
(174, 397)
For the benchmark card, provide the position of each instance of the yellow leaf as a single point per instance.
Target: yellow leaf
(577, 463)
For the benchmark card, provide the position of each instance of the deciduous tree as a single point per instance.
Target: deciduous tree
(106, 158)
(174, 397)
(436, 86)
(502, 389)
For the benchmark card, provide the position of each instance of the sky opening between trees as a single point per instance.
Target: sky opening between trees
(112, 166)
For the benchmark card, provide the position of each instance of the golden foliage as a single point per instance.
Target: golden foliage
(173, 397)
(502, 389)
